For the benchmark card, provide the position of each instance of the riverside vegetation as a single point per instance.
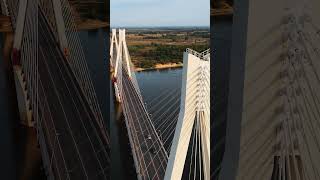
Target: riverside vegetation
(162, 47)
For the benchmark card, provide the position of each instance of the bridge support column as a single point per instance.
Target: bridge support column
(268, 133)
(191, 113)
(126, 53)
(20, 24)
(20, 81)
(118, 62)
(60, 26)
(114, 46)
(121, 50)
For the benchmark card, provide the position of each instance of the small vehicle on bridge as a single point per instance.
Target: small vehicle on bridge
(149, 137)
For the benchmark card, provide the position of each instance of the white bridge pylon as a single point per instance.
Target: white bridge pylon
(114, 46)
(117, 64)
(122, 59)
(194, 116)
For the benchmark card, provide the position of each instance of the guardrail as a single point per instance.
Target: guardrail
(203, 55)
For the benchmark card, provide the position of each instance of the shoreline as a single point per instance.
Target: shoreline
(222, 12)
(87, 24)
(91, 24)
(160, 67)
(5, 24)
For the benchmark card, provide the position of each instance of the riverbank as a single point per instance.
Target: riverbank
(160, 66)
(87, 24)
(161, 48)
(90, 24)
(222, 12)
(5, 24)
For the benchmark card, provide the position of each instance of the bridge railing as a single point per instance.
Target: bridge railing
(203, 55)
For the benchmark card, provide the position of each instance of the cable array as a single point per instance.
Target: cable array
(151, 134)
(71, 132)
(280, 139)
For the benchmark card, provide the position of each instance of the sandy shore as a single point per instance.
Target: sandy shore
(161, 66)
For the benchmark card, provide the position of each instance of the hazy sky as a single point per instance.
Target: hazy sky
(160, 13)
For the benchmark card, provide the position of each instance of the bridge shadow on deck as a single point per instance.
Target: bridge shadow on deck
(67, 121)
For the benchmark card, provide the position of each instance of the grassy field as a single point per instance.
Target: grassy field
(163, 47)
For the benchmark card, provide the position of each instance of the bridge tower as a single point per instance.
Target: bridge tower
(194, 115)
(123, 52)
(273, 109)
(122, 60)
(61, 29)
(113, 48)
(118, 62)
(23, 96)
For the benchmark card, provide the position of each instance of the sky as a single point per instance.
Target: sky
(144, 13)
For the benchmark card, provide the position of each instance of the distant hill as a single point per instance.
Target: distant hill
(90, 9)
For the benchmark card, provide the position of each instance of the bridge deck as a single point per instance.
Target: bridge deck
(147, 148)
(74, 141)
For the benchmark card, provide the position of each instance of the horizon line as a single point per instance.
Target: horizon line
(164, 26)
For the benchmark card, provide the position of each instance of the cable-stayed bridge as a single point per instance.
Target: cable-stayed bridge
(55, 91)
(273, 115)
(174, 141)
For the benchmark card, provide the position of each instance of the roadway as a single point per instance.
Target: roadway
(147, 147)
(74, 142)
